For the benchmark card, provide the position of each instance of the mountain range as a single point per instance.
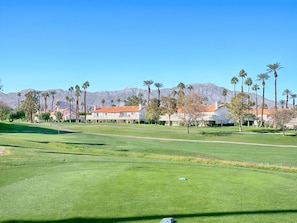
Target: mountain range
(212, 92)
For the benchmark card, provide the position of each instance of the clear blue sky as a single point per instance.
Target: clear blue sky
(114, 44)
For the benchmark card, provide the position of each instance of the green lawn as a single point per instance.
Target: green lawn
(88, 176)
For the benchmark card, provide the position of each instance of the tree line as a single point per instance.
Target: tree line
(241, 104)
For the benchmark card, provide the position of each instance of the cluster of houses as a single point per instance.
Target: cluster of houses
(213, 114)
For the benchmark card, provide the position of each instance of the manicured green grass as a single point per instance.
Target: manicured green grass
(86, 177)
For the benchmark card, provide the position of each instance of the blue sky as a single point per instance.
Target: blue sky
(115, 44)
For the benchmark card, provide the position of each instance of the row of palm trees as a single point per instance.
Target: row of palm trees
(70, 99)
(271, 68)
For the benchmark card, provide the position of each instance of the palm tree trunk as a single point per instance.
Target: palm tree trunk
(262, 112)
(275, 94)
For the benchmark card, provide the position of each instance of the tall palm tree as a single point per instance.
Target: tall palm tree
(249, 83)
(262, 77)
(158, 86)
(242, 74)
(148, 83)
(85, 86)
(52, 93)
(287, 92)
(273, 68)
(71, 89)
(255, 88)
(190, 88)
(234, 81)
(282, 102)
(77, 94)
(45, 96)
(224, 93)
(39, 101)
(103, 102)
(58, 103)
(19, 98)
(294, 96)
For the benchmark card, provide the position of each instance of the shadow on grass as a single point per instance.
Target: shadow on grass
(259, 130)
(159, 217)
(28, 128)
(216, 133)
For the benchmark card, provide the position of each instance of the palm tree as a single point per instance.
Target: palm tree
(103, 102)
(273, 68)
(190, 88)
(282, 102)
(52, 93)
(119, 101)
(242, 74)
(19, 98)
(293, 96)
(45, 96)
(255, 88)
(158, 86)
(249, 83)
(262, 77)
(85, 86)
(148, 83)
(77, 94)
(234, 81)
(224, 93)
(71, 99)
(58, 103)
(39, 101)
(287, 92)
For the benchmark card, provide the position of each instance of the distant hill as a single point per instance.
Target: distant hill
(211, 91)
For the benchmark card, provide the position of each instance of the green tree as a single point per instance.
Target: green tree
(249, 82)
(52, 93)
(255, 88)
(224, 93)
(180, 93)
(18, 113)
(103, 102)
(5, 111)
(59, 116)
(263, 77)
(58, 103)
(234, 81)
(168, 106)
(85, 86)
(153, 111)
(282, 102)
(45, 116)
(238, 108)
(287, 92)
(70, 99)
(30, 104)
(133, 100)
(45, 96)
(19, 94)
(77, 94)
(158, 86)
(273, 68)
(242, 74)
(148, 83)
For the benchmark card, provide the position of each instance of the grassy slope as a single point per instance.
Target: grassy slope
(87, 177)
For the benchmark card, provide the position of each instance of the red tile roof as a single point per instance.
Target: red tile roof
(117, 109)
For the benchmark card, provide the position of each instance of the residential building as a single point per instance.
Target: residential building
(212, 114)
(119, 114)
